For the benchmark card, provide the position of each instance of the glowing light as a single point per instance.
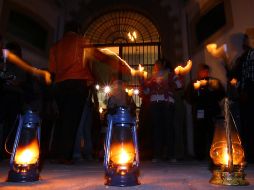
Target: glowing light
(140, 72)
(140, 68)
(101, 110)
(145, 74)
(225, 157)
(28, 154)
(107, 89)
(97, 87)
(126, 64)
(130, 92)
(136, 91)
(132, 36)
(196, 85)
(219, 153)
(203, 82)
(233, 82)
(179, 70)
(122, 154)
(217, 52)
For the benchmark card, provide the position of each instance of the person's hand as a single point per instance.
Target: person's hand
(42, 73)
(47, 77)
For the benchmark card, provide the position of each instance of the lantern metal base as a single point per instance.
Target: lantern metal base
(115, 179)
(28, 176)
(236, 178)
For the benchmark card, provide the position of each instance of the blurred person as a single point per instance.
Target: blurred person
(13, 76)
(71, 65)
(242, 73)
(72, 76)
(160, 88)
(118, 97)
(12, 97)
(205, 100)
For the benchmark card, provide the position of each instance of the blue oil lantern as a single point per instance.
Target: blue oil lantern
(121, 160)
(25, 154)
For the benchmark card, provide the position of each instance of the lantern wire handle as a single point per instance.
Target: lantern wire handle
(228, 135)
(8, 137)
(235, 124)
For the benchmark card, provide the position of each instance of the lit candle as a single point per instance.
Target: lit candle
(122, 154)
(179, 70)
(130, 92)
(145, 75)
(225, 157)
(211, 48)
(217, 52)
(196, 85)
(203, 82)
(133, 72)
(233, 82)
(27, 155)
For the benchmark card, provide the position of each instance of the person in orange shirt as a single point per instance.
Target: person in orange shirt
(72, 76)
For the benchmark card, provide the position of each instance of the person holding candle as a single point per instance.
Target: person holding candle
(160, 88)
(204, 94)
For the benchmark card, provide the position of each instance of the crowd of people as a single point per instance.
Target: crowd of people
(69, 106)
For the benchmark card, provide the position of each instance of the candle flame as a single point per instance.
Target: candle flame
(28, 154)
(140, 68)
(129, 91)
(123, 157)
(215, 51)
(233, 82)
(220, 156)
(225, 157)
(107, 89)
(140, 72)
(132, 36)
(197, 85)
(179, 70)
(203, 82)
(122, 154)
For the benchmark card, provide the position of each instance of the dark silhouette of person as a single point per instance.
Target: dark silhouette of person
(12, 97)
(204, 96)
(160, 88)
(243, 74)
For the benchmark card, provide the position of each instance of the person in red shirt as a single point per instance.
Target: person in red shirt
(160, 88)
